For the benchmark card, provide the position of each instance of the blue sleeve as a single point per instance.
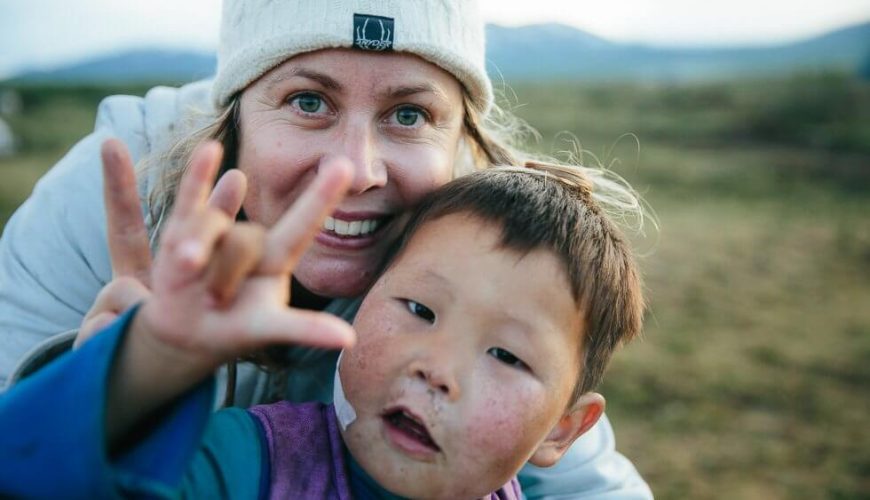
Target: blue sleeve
(53, 443)
(591, 469)
(232, 461)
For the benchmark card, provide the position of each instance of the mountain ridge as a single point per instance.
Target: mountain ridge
(532, 52)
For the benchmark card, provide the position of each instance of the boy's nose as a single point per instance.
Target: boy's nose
(360, 145)
(437, 374)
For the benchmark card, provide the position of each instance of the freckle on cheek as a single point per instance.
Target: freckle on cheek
(361, 363)
(491, 421)
(493, 427)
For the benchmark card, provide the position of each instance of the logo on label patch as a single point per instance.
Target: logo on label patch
(373, 32)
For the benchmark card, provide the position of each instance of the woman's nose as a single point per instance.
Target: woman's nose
(360, 145)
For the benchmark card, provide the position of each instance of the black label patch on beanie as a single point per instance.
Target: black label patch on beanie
(373, 32)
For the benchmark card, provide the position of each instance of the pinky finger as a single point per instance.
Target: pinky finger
(91, 326)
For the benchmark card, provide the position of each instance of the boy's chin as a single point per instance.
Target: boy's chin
(435, 488)
(412, 479)
(409, 478)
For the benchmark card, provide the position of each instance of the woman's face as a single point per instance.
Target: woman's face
(396, 117)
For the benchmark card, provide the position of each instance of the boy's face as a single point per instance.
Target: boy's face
(466, 359)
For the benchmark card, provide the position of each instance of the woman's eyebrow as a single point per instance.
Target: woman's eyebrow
(409, 90)
(324, 80)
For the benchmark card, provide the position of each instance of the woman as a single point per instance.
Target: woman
(398, 87)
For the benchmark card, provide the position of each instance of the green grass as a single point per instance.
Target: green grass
(18, 175)
(752, 378)
(753, 371)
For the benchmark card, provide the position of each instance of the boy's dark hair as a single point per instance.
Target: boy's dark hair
(551, 207)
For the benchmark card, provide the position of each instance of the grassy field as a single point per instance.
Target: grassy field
(752, 378)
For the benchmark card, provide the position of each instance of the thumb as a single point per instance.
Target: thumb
(119, 295)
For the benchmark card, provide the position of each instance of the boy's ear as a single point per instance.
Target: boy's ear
(582, 415)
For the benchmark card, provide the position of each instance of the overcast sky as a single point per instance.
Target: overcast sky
(46, 33)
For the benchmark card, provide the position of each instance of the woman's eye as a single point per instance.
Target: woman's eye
(420, 311)
(308, 103)
(409, 116)
(507, 357)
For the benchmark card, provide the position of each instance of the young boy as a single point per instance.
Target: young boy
(478, 350)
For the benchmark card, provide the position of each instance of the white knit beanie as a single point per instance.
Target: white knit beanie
(257, 35)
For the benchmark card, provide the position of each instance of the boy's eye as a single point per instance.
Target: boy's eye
(507, 358)
(409, 116)
(420, 311)
(308, 103)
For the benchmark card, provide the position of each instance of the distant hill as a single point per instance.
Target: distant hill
(132, 66)
(556, 51)
(545, 51)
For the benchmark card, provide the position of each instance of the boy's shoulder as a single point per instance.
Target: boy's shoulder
(303, 441)
(297, 422)
(510, 491)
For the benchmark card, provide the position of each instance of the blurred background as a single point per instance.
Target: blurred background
(745, 125)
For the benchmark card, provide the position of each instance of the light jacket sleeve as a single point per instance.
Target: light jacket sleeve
(53, 259)
(53, 440)
(53, 253)
(591, 469)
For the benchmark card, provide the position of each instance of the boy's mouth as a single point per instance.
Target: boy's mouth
(410, 429)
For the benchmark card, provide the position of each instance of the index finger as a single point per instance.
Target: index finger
(125, 228)
(229, 193)
(292, 234)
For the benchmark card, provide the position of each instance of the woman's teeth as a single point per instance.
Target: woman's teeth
(350, 228)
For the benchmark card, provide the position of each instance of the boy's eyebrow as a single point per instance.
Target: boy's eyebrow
(526, 328)
(431, 274)
(530, 326)
(436, 275)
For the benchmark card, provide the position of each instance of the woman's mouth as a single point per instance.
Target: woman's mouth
(408, 432)
(347, 231)
(352, 228)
